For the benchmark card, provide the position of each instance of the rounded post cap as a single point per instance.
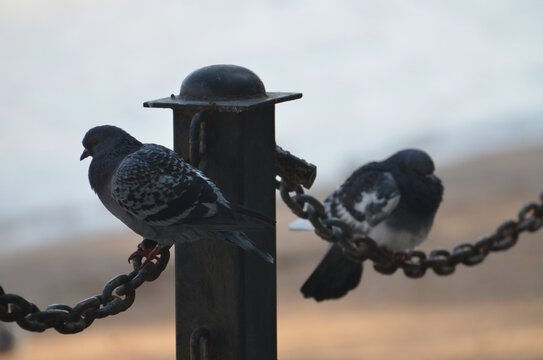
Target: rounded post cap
(222, 82)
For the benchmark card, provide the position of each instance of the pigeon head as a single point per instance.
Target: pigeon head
(415, 175)
(105, 139)
(414, 161)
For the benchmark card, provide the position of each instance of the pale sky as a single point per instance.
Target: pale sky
(450, 76)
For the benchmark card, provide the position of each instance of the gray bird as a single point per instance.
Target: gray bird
(393, 202)
(159, 196)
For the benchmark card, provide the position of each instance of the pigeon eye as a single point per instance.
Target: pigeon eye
(95, 142)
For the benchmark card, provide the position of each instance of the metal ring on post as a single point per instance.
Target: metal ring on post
(198, 344)
(197, 142)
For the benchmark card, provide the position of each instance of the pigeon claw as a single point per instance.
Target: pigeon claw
(391, 256)
(152, 255)
(143, 251)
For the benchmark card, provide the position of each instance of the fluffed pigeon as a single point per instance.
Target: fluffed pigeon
(393, 202)
(159, 196)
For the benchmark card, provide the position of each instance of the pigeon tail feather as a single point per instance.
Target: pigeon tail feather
(301, 225)
(245, 243)
(267, 221)
(334, 276)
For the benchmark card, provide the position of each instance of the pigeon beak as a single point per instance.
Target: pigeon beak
(85, 154)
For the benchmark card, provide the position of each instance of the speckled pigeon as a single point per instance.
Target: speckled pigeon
(393, 202)
(158, 195)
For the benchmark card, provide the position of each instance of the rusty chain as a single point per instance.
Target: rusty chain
(414, 263)
(119, 293)
(117, 296)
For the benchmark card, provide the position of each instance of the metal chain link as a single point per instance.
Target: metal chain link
(413, 263)
(117, 296)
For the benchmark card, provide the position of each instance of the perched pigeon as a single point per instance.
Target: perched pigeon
(393, 202)
(160, 196)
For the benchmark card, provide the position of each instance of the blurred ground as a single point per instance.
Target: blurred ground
(490, 311)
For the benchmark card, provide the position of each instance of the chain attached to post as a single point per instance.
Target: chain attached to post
(117, 296)
(413, 263)
(294, 170)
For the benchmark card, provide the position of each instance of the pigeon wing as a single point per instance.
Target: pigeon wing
(366, 198)
(156, 186)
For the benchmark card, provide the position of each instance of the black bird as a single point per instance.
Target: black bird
(393, 202)
(161, 197)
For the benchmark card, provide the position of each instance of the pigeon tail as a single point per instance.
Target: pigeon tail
(267, 221)
(301, 225)
(240, 239)
(334, 276)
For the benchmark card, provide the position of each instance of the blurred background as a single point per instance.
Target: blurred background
(462, 80)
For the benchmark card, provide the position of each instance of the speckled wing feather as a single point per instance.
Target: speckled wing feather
(156, 186)
(366, 198)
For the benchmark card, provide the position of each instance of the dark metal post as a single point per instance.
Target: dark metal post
(223, 293)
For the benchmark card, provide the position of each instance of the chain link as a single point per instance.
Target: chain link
(413, 263)
(117, 296)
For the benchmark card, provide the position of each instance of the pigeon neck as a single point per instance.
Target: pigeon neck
(419, 199)
(104, 164)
